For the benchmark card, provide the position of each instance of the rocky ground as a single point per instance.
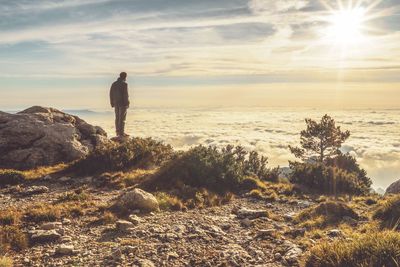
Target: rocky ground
(239, 233)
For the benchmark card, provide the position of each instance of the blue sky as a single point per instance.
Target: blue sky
(53, 51)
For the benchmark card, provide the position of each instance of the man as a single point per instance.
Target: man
(119, 99)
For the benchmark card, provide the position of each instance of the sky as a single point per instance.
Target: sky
(65, 53)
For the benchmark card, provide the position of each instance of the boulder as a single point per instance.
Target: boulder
(43, 236)
(394, 188)
(137, 199)
(41, 136)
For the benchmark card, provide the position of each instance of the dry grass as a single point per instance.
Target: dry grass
(10, 216)
(325, 214)
(388, 212)
(43, 171)
(378, 249)
(6, 262)
(169, 202)
(12, 238)
(108, 218)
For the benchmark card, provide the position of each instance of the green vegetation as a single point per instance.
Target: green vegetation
(11, 177)
(316, 177)
(378, 249)
(135, 153)
(388, 213)
(217, 170)
(325, 169)
(325, 214)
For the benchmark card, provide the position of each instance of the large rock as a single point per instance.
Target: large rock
(137, 199)
(41, 136)
(394, 188)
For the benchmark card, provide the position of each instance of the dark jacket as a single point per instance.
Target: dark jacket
(119, 94)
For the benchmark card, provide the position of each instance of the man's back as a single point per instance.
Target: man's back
(119, 94)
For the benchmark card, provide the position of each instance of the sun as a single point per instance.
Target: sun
(346, 26)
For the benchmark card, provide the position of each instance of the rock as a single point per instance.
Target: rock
(35, 190)
(137, 199)
(251, 214)
(133, 218)
(41, 136)
(43, 236)
(64, 179)
(123, 225)
(266, 232)
(65, 249)
(394, 188)
(144, 263)
(296, 232)
(50, 225)
(246, 222)
(277, 256)
(293, 253)
(334, 233)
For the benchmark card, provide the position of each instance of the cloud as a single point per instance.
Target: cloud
(271, 6)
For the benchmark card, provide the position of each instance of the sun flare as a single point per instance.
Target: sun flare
(346, 26)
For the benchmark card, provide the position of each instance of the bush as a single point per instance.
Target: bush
(169, 202)
(135, 153)
(389, 213)
(325, 214)
(43, 213)
(11, 177)
(9, 216)
(11, 237)
(327, 179)
(378, 249)
(208, 167)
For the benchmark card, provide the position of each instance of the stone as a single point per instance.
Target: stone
(334, 233)
(51, 225)
(123, 225)
(296, 232)
(393, 188)
(44, 236)
(246, 222)
(137, 199)
(35, 190)
(277, 256)
(133, 218)
(144, 263)
(266, 232)
(251, 214)
(64, 179)
(64, 249)
(40, 136)
(293, 253)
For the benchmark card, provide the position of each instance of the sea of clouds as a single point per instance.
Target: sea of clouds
(374, 141)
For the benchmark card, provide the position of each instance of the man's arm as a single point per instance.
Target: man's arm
(126, 95)
(112, 96)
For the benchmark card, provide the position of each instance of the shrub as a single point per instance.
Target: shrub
(77, 195)
(327, 179)
(43, 213)
(11, 237)
(217, 170)
(135, 153)
(377, 249)
(389, 213)
(9, 216)
(169, 202)
(11, 177)
(6, 262)
(326, 213)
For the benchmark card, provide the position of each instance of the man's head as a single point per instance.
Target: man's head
(123, 75)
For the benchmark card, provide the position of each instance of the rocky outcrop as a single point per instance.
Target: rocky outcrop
(137, 199)
(394, 188)
(40, 136)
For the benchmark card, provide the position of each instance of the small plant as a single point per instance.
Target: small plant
(388, 213)
(135, 153)
(377, 249)
(43, 213)
(77, 195)
(325, 214)
(169, 202)
(12, 238)
(11, 177)
(108, 218)
(10, 216)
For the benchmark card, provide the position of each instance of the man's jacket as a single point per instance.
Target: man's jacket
(119, 94)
